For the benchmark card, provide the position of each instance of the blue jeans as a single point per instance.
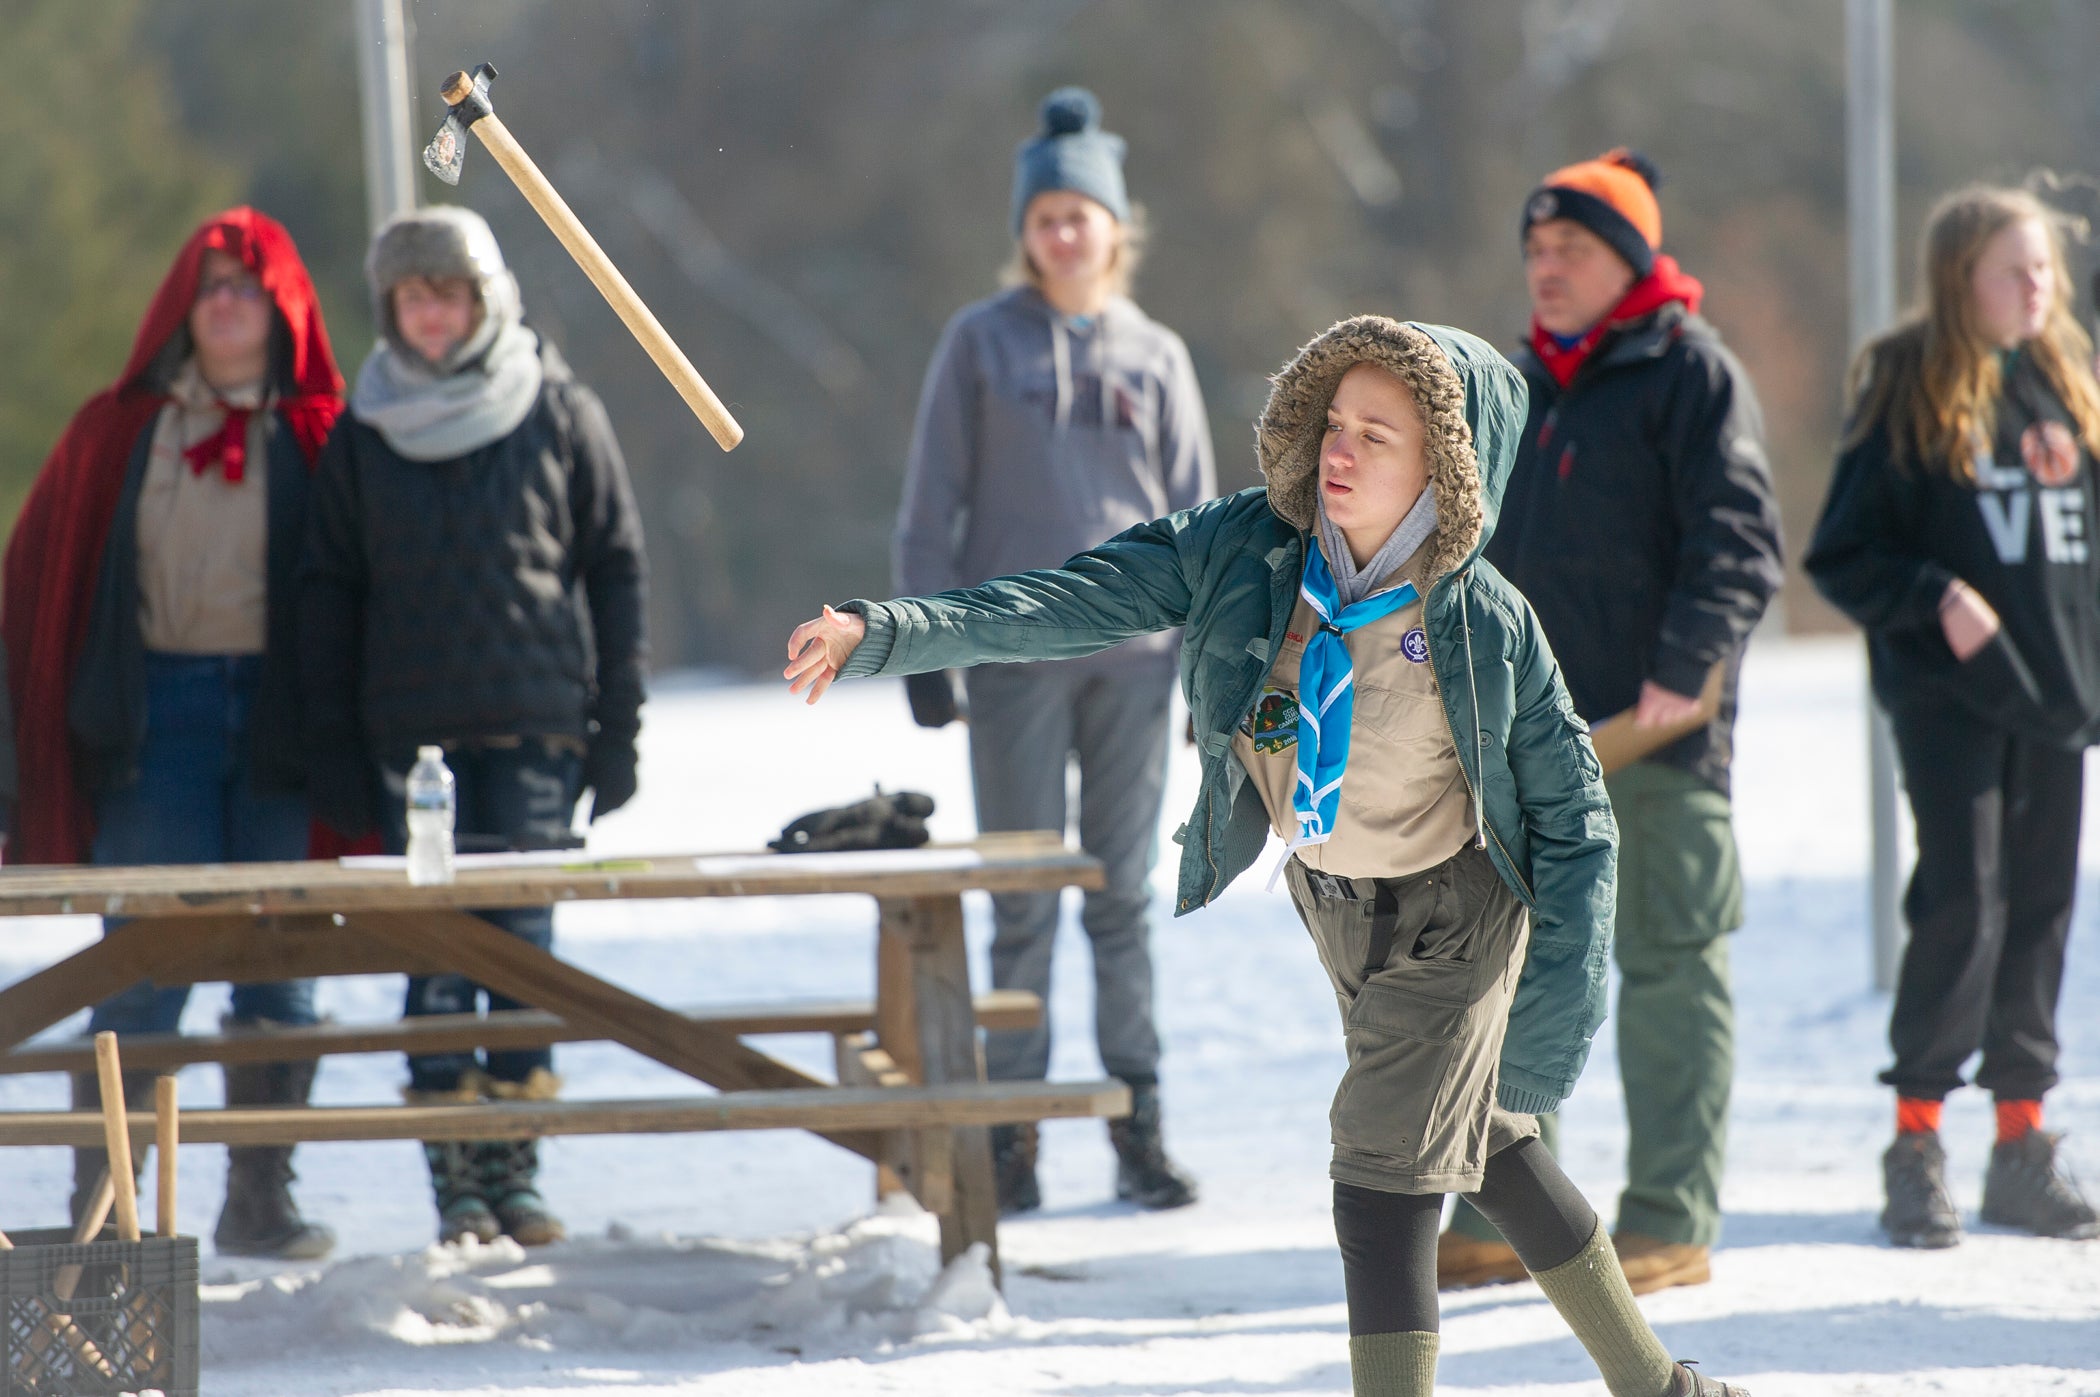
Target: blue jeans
(524, 795)
(193, 802)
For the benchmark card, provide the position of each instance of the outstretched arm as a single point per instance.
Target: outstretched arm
(1134, 584)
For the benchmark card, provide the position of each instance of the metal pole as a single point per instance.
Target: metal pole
(382, 82)
(1870, 188)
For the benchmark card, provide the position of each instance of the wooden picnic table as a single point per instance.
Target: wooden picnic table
(911, 1096)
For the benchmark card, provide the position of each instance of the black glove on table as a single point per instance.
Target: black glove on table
(882, 821)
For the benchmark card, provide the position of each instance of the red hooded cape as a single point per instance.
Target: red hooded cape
(1667, 282)
(55, 554)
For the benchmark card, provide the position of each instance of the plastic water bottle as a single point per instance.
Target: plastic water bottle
(431, 805)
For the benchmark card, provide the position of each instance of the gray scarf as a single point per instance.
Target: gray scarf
(436, 412)
(1413, 531)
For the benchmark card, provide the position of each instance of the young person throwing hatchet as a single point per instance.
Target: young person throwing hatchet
(1364, 685)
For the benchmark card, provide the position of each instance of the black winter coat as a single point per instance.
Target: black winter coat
(2026, 535)
(107, 709)
(1642, 525)
(496, 595)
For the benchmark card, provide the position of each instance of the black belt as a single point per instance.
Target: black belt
(1385, 911)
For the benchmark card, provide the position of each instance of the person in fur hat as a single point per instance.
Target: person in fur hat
(148, 615)
(1367, 688)
(473, 579)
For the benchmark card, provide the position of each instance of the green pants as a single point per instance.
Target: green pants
(1680, 894)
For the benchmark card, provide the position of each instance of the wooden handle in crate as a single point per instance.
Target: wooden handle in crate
(165, 1130)
(116, 1133)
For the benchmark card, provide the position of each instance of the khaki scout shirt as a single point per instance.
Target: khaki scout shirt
(203, 543)
(1405, 806)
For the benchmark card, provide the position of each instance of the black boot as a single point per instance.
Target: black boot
(1920, 1211)
(1013, 1168)
(1144, 1174)
(455, 1184)
(2025, 1188)
(509, 1172)
(90, 1165)
(260, 1218)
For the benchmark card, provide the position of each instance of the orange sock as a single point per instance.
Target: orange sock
(1916, 1117)
(2016, 1118)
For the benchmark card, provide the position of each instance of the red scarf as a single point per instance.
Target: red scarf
(227, 447)
(1666, 283)
(55, 554)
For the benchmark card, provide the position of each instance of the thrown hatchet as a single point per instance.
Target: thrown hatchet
(467, 100)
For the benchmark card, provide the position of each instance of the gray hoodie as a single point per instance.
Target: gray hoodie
(1040, 436)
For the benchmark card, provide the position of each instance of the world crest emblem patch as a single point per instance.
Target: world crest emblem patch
(1415, 646)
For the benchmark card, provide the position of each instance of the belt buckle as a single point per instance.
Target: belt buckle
(1329, 886)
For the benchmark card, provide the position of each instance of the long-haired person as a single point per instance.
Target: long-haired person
(1961, 532)
(1056, 413)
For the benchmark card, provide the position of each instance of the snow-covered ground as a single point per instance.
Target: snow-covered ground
(756, 1263)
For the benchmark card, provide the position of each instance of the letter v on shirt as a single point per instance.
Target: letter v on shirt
(2010, 504)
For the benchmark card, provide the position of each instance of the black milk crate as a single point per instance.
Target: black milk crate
(134, 1307)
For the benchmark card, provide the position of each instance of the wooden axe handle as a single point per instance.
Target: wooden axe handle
(1619, 742)
(606, 277)
(116, 1134)
(165, 1129)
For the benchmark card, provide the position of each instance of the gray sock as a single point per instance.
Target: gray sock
(1591, 1294)
(1392, 1365)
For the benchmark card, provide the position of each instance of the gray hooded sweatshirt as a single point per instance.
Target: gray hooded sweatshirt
(1038, 437)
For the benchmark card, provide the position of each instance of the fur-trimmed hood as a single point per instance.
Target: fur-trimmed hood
(1472, 401)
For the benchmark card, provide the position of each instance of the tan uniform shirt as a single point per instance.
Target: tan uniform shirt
(203, 543)
(1405, 806)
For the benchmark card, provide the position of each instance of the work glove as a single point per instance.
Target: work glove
(896, 821)
(935, 702)
(609, 770)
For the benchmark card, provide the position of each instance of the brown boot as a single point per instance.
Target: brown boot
(259, 1217)
(1463, 1261)
(1652, 1264)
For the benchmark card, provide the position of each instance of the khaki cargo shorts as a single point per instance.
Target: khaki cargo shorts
(1424, 969)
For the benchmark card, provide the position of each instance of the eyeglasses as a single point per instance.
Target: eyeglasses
(240, 288)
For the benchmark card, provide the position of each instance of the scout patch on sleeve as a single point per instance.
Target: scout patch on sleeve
(1273, 723)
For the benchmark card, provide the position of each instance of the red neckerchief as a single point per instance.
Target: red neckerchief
(1666, 283)
(228, 446)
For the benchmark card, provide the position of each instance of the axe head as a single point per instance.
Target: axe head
(447, 151)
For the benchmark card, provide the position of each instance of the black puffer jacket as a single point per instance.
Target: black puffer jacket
(1642, 524)
(495, 595)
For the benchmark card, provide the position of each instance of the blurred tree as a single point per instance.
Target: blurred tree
(805, 190)
(100, 186)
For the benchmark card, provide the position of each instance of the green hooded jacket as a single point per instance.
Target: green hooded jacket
(1228, 572)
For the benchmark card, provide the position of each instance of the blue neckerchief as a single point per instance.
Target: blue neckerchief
(1568, 342)
(1327, 694)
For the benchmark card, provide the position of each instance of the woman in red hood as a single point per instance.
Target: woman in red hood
(148, 616)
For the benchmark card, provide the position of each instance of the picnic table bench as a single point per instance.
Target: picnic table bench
(910, 1095)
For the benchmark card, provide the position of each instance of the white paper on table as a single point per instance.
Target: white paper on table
(843, 861)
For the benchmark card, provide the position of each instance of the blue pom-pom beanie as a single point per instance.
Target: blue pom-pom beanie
(1071, 152)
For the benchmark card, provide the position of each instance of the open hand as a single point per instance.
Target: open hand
(1662, 708)
(819, 649)
(1966, 619)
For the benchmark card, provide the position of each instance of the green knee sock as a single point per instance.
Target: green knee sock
(1591, 1294)
(1392, 1365)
